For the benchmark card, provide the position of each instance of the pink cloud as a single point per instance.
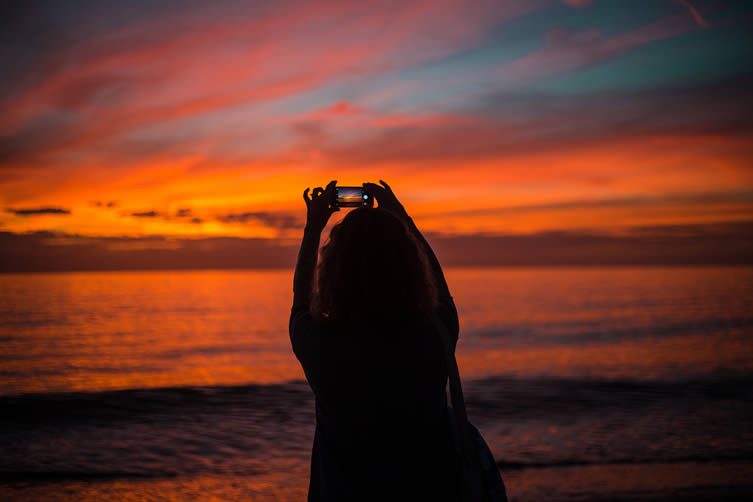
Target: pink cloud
(172, 68)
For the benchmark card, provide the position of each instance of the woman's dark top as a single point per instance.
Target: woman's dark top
(382, 431)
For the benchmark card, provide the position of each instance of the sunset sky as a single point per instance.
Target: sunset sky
(185, 120)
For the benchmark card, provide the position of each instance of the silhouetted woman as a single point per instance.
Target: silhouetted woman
(371, 354)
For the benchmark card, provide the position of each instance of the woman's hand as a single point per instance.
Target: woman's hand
(320, 206)
(386, 199)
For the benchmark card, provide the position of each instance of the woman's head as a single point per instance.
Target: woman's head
(373, 268)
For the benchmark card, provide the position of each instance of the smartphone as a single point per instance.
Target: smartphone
(352, 197)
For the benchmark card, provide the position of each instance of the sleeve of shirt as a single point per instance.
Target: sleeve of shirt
(448, 315)
(303, 335)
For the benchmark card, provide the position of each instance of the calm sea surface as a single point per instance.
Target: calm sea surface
(588, 383)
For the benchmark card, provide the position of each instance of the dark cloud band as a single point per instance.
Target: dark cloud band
(268, 219)
(720, 244)
(145, 214)
(36, 211)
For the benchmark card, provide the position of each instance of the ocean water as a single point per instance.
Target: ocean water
(587, 383)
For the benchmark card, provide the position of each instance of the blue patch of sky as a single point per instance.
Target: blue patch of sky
(432, 81)
(442, 84)
(460, 78)
(446, 84)
(715, 11)
(613, 17)
(434, 85)
(438, 82)
(695, 58)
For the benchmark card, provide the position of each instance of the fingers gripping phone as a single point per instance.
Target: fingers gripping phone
(352, 197)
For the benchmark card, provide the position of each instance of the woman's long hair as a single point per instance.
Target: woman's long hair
(372, 268)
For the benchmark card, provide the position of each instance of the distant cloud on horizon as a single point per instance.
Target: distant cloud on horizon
(36, 211)
(106, 204)
(712, 244)
(279, 221)
(145, 214)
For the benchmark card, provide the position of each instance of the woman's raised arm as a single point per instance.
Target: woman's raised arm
(318, 211)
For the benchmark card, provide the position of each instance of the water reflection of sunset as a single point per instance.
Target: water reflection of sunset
(167, 329)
